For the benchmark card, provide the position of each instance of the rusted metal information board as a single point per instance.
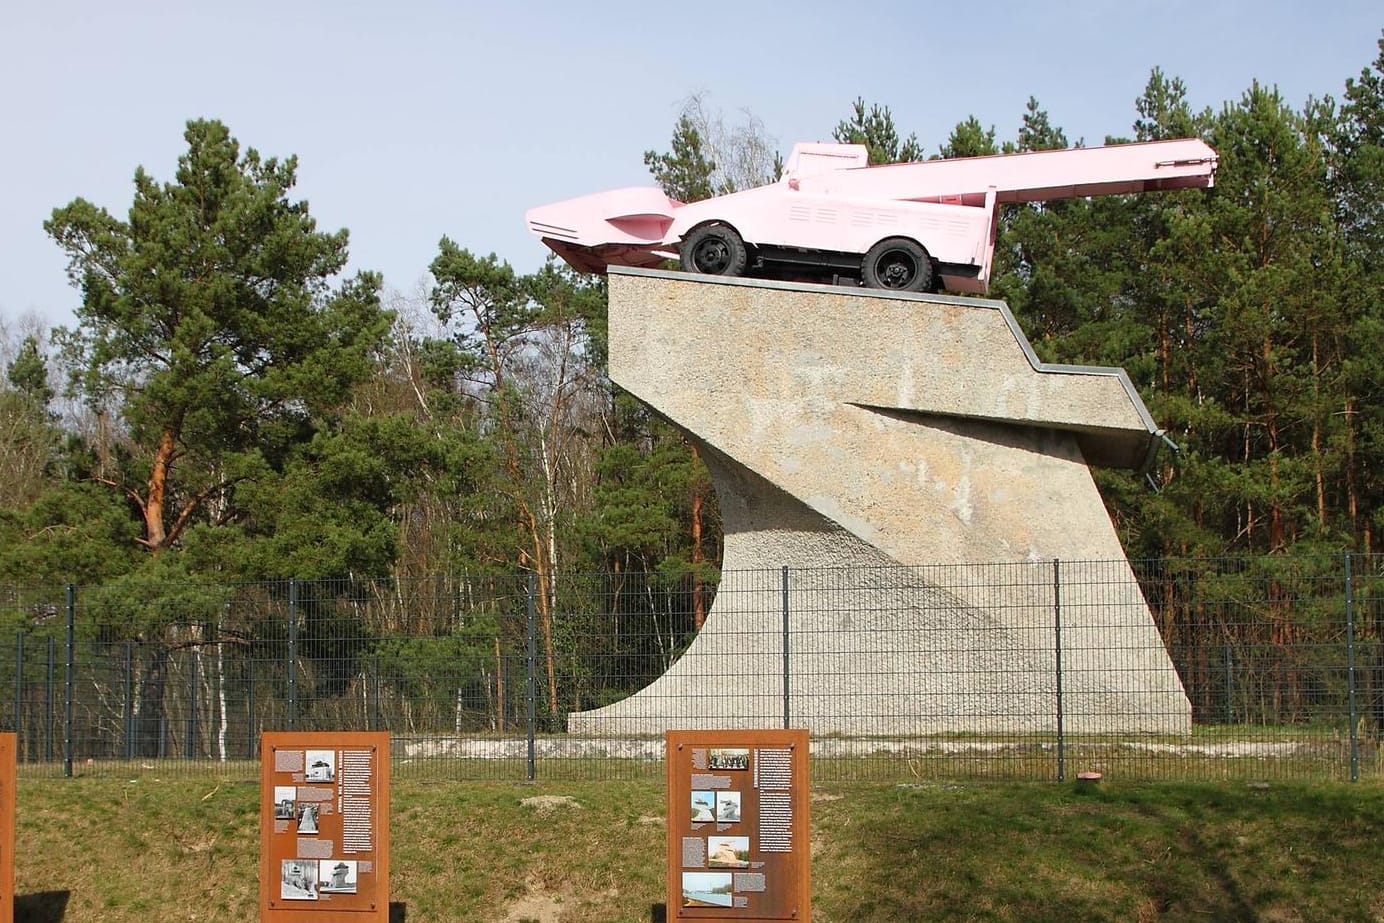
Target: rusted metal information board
(738, 825)
(7, 780)
(324, 827)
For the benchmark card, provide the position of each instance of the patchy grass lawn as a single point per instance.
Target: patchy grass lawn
(186, 849)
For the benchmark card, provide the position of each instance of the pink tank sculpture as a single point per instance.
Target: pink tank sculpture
(913, 227)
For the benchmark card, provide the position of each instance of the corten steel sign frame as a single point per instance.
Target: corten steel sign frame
(7, 800)
(738, 825)
(324, 827)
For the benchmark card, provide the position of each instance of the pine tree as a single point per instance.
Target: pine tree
(207, 324)
(875, 129)
(686, 172)
(970, 139)
(209, 330)
(1358, 183)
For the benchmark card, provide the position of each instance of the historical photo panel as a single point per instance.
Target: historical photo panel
(321, 766)
(706, 889)
(307, 817)
(728, 807)
(725, 758)
(285, 799)
(703, 807)
(324, 831)
(737, 825)
(337, 876)
(298, 880)
(728, 852)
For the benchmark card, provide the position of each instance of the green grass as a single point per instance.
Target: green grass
(185, 848)
(1060, 853)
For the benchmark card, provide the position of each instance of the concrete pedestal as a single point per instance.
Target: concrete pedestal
(866, 438)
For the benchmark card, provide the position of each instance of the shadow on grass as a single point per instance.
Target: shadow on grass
(1214, 866)
(658, 913)
(1046, 854)
(398, 912)
(43, 907)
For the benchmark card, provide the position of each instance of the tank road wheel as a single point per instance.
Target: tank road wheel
(715, 250)
(898, 264)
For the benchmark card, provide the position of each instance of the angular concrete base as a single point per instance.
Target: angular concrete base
(849, 433)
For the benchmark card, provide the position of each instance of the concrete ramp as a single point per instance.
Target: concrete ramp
(851, 433)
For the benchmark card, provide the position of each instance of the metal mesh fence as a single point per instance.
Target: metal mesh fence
(1244, 668)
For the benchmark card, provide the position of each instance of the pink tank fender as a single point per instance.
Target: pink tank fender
(633, 215)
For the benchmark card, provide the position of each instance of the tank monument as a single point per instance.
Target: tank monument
(861, 427)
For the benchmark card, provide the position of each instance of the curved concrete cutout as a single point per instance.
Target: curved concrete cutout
(850, 432)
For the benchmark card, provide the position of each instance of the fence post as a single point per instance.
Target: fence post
(532, 685)
(70, 604)
(1057, 641)
(785, 648)
(1350, 675)
(129, 700)
(293, 653)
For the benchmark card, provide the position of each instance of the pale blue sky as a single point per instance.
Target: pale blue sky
(419, 118)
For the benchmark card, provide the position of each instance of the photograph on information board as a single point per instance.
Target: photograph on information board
(728, 852)
(337, 876)
(307, 818)
(729, 758)
(703, 807)
(321, 765)
(728, 807)
(299, 880)
(706, 889)
(284, 799)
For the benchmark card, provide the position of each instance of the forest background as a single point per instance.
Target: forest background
(228, 407)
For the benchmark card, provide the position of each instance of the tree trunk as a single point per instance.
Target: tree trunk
(545, 620)
(155, 534)
(222, 724)
(149, 707)
(1352, 485)
(1318, 462)
(537, 560)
